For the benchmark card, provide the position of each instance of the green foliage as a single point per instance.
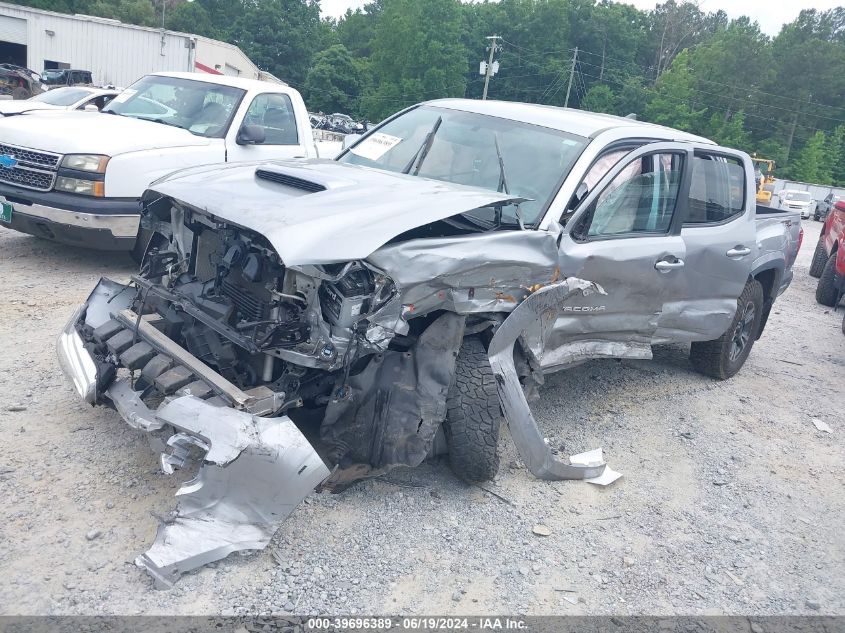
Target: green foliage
(190, 17)
(673, 102)
(810, 165)
(334, 81)
(600, 98)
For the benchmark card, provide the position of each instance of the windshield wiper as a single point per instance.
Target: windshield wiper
(419, 156)
(163, 122)
(503, 186)
(22, 112)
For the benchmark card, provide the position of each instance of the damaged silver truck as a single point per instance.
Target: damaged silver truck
(311, 323)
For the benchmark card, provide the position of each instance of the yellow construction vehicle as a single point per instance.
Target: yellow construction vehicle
(764, 170)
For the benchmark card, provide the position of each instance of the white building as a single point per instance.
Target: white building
(114, 52)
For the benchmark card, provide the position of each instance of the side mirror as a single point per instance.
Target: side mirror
(91, 108)
(349, 140)
(251, 135)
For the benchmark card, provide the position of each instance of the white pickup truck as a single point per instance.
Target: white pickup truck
(77, 177)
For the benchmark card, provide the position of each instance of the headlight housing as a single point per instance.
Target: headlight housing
(95, 163)
(78, 185)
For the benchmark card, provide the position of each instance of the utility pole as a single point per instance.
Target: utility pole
(571, 77)
(488, 71)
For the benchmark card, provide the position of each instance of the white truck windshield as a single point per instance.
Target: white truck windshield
(202, 108)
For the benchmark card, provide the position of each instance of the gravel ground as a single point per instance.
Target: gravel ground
(731, 500)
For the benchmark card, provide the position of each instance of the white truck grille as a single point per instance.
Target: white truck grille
(34, 169)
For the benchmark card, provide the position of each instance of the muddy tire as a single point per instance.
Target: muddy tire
(724, 356)
(19, 94)
(473, 415)
(826, 290)
(819, 259)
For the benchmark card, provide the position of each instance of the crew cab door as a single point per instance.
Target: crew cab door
(283, 133)
(625, 236)
(720, 239)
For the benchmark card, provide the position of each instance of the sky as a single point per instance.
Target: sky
(771, 14)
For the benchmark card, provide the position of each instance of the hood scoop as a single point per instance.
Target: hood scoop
(290, 181)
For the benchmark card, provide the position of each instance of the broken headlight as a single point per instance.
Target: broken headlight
(355, 295)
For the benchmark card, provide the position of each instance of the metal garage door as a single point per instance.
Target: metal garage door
(12, 30)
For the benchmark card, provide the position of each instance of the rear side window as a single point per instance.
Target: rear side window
(717, 190)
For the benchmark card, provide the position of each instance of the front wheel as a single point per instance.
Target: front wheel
(473, 415)
(826, 290)
(724, 356)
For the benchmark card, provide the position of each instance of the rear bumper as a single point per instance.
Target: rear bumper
(102, 223)
(253, 470)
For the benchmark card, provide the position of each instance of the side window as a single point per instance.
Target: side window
(640, 199)
(717, 190)
(275, 113)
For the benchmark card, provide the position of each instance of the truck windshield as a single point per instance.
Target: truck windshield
(202, 108)
(466, 148)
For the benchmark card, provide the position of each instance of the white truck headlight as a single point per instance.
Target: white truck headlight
(78, 185)
(95, 163)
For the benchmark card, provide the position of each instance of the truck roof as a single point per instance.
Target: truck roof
(580, 122)
(226, 80)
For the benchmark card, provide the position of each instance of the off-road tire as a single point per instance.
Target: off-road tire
(19, 94)
(717, 358)
(826, 291)
(819, 259)
(473, 415)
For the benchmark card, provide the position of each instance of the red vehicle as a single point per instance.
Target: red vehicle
(829, 258)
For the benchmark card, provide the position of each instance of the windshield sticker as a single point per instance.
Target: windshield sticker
(123, 96)
(376, 145)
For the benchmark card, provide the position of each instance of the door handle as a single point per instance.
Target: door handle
(738, 251)
(665, 265)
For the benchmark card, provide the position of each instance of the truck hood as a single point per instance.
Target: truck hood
(319, 211)
(66, 132)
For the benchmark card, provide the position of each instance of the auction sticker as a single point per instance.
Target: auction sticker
(375, 146)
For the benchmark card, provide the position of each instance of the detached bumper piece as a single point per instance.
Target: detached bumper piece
(539, 308)
(254, 473)
(253, 470)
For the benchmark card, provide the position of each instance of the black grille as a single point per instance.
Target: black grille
(31, 157)
(27, 178)
(290, 181)
(249, 307)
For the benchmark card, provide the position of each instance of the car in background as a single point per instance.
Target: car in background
(828, 260)
(18, 82)
(823, 207)
(67, 77)
(795, 200)
(65, 98)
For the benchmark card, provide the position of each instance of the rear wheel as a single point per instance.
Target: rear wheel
(819, 259)
(473, 416)
(826, 290)
(724, 356)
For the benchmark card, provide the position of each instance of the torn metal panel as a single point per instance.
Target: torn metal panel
(487, 272)
(388, 414)
(255, 472)
(540, 308)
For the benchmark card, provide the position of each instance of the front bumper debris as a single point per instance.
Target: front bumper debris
(254, 470)
(539, 308)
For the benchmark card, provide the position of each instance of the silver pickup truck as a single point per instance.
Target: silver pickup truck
(401, 300)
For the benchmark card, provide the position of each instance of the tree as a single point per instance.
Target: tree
(417, 55)
(334, 81)
(190, 17)
(810, 164)
(731, 133)
(599, 98)
(672, 102)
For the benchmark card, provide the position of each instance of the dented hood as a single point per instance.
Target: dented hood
(354, 210)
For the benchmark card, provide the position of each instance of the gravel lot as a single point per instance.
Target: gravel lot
(731, 500)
